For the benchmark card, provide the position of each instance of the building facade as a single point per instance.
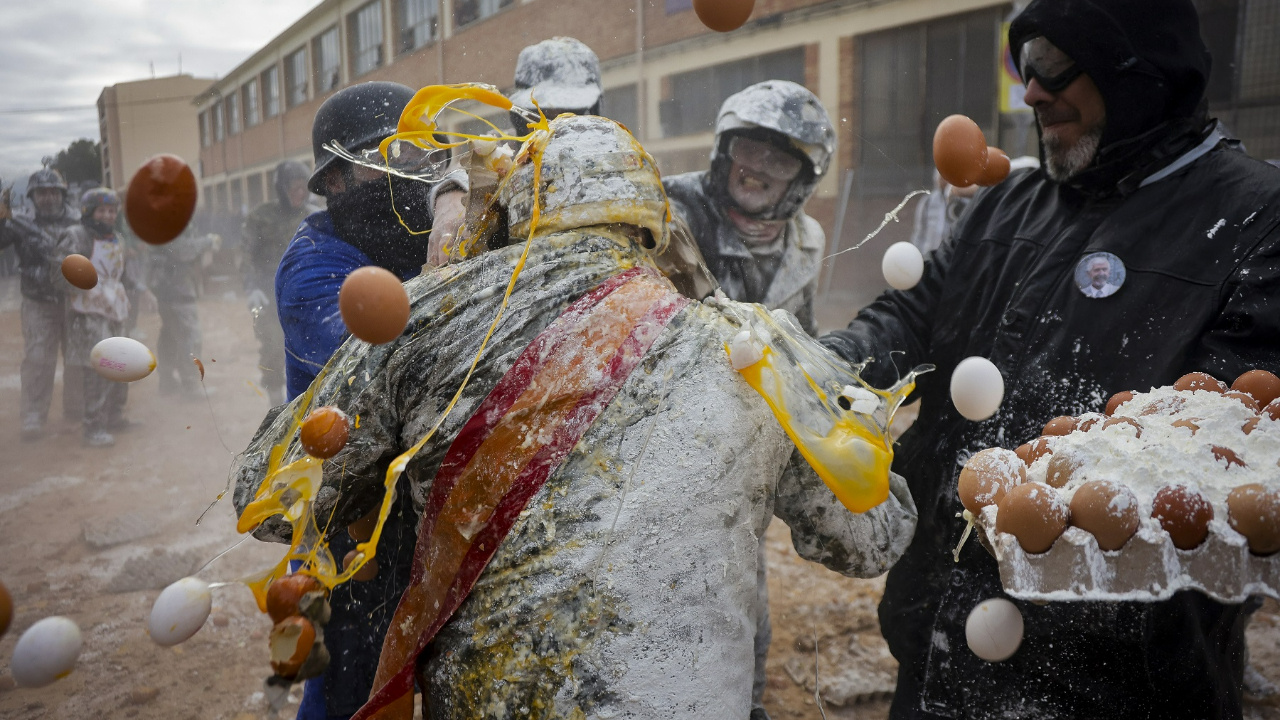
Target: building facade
(144, 118)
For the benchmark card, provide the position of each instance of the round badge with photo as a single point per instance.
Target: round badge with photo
(1100, 275)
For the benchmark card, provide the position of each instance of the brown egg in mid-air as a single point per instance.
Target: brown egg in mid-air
(6, 609)
(1184, 513)
(1061, 425)
(1108, 511)
(1117, 400)
(959, 150)
(362, 530)
(160, 199)
(995, 169)
(284, 594)
(367, 572)
(324, 432)
(987, 476)
(291, 641)
(723, 15)
(1200, 381)
(374, 305)
(80, 272)
(1254, 511)
(1061, 469)
(1260, 384)
(1035, 514)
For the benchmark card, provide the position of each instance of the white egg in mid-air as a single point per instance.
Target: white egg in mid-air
(46, 652)
(122, 359)
(977, 388)
(180, 611)
(994, 629)
(902, 265)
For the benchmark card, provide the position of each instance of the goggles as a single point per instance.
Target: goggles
(404, 159)
(765, 159)
(1042, 60)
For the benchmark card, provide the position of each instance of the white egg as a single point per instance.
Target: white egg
(46, 652)
(902, 265)
(994, 629)
(744, 351)
(122, 359)
(180, 611)
(977, 388)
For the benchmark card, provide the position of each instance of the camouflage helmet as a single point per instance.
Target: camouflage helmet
(785, 114)
(95, 198)
(593, 173)
(46, 177)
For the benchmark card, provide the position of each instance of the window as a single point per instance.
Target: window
(913, 77)
(295, 77)
(217, 121)
(237, 197)
(233, 113)
(619, 104)
(417, 23)
(206, 135)
(270, 92)
(364, 29)
(466, 12)
(328, 60)
(695, 96)
(252, 108)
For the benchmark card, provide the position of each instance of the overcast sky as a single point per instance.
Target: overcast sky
(62, 53)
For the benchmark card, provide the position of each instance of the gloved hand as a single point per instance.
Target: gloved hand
(257, 301)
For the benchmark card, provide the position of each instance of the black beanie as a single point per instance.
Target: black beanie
(1145, 56)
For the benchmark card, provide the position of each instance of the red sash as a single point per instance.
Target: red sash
(554, 391)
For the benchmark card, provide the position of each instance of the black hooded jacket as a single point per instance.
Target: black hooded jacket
(1202, 252)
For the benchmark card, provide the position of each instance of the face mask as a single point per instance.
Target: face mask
(363, 217)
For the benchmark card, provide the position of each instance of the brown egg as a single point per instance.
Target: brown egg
(6, 609)
(1227, 454)
(1039, 448)
(1089, 420)
(1117, 400)
(1061, 425)
(995, 169)
(987, 476)
(160, 199)
(1199, 381)
(1061, 469)
(1184, 513)
(1254, 511)
(1248, 400)
(723, 15)
(1167, 406)
(284, 594)
(291, 642)
(80, 272)
(324, 432)
(1107, 510)
(1262, 385)
(1189, 423)
(367, 572)
(1124, 422)
(959, 150)
(1023, 452)
(1272, 410)
(1250, 425)
(361, 530)
(374, 305)
(1035, 514)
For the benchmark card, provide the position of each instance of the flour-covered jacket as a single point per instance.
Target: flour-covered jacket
(626, 588)
(794, 283)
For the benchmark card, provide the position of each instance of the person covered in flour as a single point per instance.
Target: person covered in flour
(592, 506)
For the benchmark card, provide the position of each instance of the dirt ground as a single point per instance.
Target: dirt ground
(93, 534)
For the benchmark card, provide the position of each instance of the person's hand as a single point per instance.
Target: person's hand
(450, 211)
(257, 301)
(147, 302)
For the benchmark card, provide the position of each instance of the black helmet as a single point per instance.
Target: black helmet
(46, 177)
(356, 117)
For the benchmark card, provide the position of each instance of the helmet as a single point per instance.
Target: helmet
(785, 114)
(593, 173)
(93, 199)
(286, 173)
(46, 177)
(356, 117)
(562, 74)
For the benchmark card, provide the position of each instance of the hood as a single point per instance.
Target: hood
(1145, 56)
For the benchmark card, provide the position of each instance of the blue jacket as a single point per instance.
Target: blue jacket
(308, 279)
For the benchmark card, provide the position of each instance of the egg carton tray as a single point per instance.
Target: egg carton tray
(1148, 568)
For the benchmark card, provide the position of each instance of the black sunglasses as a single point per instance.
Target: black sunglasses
(1042, 60)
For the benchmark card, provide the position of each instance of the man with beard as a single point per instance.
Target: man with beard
(1132, 167)
(43, 305)
(359, 228)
